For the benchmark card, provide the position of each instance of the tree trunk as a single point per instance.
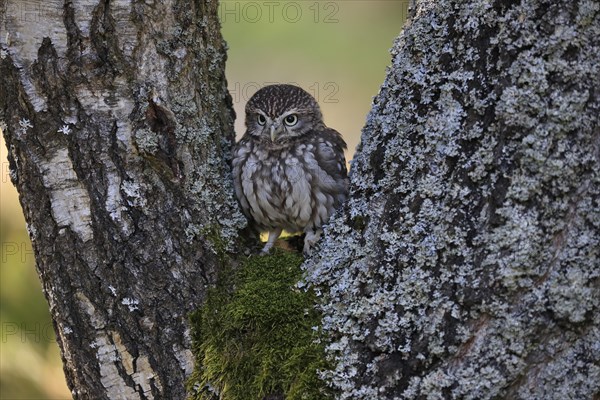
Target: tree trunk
(466, 263)
(119, 124)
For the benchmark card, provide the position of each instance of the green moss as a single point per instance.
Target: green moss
(257, 334)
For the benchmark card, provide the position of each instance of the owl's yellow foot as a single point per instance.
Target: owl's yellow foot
(273, 235)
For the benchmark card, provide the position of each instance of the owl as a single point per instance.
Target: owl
(289, 169)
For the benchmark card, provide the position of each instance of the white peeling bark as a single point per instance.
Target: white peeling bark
(69, 201)
(119, 125)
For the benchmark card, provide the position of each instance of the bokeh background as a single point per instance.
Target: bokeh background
(336, 50)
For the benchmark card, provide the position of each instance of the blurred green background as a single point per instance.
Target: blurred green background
(336, 50)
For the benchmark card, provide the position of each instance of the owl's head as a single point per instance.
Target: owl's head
(280, 113)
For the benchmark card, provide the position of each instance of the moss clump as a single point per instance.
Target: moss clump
(256, 335)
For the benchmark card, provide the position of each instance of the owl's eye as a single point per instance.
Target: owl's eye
(261, 120)
(291, 120)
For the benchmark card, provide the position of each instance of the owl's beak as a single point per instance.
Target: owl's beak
(274, 132)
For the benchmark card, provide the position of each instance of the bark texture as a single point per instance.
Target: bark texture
(119, 126)
(466, 264)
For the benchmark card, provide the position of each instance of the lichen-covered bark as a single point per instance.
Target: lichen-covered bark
(118, 124)
(466, 263)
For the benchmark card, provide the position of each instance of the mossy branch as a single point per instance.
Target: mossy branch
(257, 335)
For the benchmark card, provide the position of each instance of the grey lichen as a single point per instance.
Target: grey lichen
(466, 263)
(203, 134)
(146, 141)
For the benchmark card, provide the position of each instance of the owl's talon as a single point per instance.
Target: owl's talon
(273, 235)
(309, 242)
(265, 250)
